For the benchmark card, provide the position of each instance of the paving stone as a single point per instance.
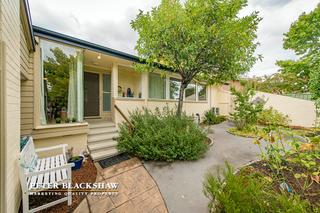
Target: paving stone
(120, 168)
(83, 207)
(151, 193)
(131, 184)
(160, 209)
(138, 193)
(102, 206)
(125, 208)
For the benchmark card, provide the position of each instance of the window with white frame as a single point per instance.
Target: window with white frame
(61, 85)
(201, 92)
(174, 88)
(190, 92)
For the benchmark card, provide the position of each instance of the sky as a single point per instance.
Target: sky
(108, 23)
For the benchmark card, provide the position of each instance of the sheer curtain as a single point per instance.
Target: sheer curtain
(43, 106)
(79, 77)
(75, 90)
(157, 86)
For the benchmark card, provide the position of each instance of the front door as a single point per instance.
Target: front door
(91, 94)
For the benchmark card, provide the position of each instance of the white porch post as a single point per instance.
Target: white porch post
(114, 80)
(114, 89)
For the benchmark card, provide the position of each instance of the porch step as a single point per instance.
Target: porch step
(102, 130)
(102, 145)
(94, 125)
(99, 155)
(101, 139)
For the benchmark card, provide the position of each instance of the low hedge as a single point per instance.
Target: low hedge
(162, 136)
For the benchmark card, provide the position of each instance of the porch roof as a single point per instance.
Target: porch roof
(59, 37)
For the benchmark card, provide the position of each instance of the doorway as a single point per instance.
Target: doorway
(91, 95)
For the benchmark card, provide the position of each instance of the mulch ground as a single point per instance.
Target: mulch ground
(87, 174)
(312, 193)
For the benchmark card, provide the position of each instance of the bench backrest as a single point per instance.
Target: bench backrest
(28, 156)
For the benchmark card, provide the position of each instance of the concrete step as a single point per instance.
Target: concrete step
(103, 154)
(102, 130)
(101, 125)
(103, 145)
(102, 137)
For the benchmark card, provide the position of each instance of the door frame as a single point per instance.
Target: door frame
(100, 93)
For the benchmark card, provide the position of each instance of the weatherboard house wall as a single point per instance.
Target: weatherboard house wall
(10, 104)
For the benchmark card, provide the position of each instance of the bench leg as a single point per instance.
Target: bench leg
(69, 190)
(25, 202)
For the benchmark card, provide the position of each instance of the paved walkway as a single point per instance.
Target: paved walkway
(181, 182)
(138, 191)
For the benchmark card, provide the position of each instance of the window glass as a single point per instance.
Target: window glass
(61, 83)
(190, 92)
(174, 88)
(157, 86)
(129, 83)
(202, 92)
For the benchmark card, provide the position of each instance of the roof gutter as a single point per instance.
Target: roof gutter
(55, 36)
(27, 14)
(59, 37)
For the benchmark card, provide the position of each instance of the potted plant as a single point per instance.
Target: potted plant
(77, 160)
(74, 120)
(58, 120)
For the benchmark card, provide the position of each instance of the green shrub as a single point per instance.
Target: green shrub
(252, 192)
(210, 118)
(271, 116)
(245, 111)
(163, 136)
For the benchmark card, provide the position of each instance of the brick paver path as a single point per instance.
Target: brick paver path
(138, 191)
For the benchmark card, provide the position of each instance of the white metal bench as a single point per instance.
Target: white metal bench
(35, 171)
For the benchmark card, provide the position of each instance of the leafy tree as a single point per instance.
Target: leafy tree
(281, 83)
(304, 39)
(57, 74)
(197, 39)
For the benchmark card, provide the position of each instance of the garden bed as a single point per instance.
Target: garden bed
(87, 174)
(251, 133)
(286, 179)
(311, 193)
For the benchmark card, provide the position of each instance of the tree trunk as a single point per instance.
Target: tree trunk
(181, 94)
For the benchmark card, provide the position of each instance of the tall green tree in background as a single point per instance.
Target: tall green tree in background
(304, 39)
(198, 39)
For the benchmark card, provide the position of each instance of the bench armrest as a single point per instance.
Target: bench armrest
(61, 146)
(67, 166)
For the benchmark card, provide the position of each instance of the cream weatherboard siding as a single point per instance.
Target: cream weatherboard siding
(10, 38)
(26, 61)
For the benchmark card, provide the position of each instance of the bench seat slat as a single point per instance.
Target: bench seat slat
(52, 174)
(42, 167)
(46, 175)
(64, 171)
(58, 172)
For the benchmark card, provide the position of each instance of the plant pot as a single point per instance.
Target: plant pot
(77, 162)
